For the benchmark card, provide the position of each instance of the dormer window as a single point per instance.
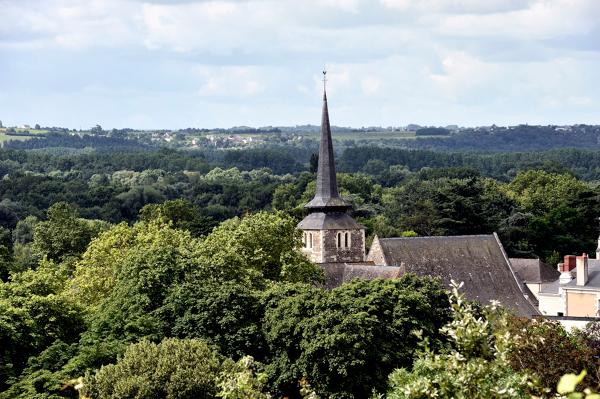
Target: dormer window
(343, 239)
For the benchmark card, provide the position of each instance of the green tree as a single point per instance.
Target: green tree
(181, 214)
(64, 234)
(23, 232)
(172, 369)
(6, 253)
(243, 381)
(314, 162)
(95, 273)
(260, 247)
(560, 210)
(285, 197)
(33, 315)
(43, 377)
(152, 259)
(227, 315)
(446, 206)
(346, 341)
(476, 366)
(538, 191)
(546, 350)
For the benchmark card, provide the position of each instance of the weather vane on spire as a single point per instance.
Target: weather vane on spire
(324, 78)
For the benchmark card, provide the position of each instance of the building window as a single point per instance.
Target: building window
(343, 239)
(307, 240)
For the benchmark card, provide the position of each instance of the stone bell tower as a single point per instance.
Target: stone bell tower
(330, 234)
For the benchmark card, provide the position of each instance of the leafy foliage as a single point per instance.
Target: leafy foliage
(262, 246)
(181, 214)
(172, 369)
(476, 365)
(547, 351)
(243, 381)
(33, 315)
(226, 314)
(64, 234)
(347, 340)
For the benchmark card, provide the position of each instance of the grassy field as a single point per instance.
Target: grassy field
(32, 131)
(4, 137)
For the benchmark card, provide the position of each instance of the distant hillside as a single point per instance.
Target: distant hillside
(518, 138)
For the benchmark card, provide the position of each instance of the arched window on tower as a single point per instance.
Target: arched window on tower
(343, 239)
(310, 240)
(304, 243)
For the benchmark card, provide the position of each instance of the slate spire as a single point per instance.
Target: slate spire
(326, 195)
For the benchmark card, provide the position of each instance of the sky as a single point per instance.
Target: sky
(175, 64)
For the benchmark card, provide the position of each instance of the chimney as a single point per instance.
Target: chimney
(582, 270)
(569, 264)
(565, 276)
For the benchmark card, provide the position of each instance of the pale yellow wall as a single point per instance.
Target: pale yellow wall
(551, 304)
(535, 289)
(581, 304)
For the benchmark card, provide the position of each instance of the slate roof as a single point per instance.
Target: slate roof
(337, 274)
(326, 194)
(534, 271)
(477, 260)
(593, 283)
(328, 221)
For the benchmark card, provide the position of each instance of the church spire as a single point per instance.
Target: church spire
(326, 195)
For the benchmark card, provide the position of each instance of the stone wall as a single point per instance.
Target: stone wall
(354, 253)
(376, 253)
(325, 247)
(314, 253)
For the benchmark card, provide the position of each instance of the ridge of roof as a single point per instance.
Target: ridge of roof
(437, 237)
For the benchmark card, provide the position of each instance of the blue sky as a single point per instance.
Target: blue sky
(175, 64)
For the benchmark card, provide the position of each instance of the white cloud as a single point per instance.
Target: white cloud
(543, 19)
(66, 24)
(456, 6)
(346, 5)
(370, 85)
(462, 73)
(229, 81)
(389, 61)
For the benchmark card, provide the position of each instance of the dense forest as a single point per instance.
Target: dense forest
(134, 271)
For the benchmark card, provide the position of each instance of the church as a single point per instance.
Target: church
(336, 242)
